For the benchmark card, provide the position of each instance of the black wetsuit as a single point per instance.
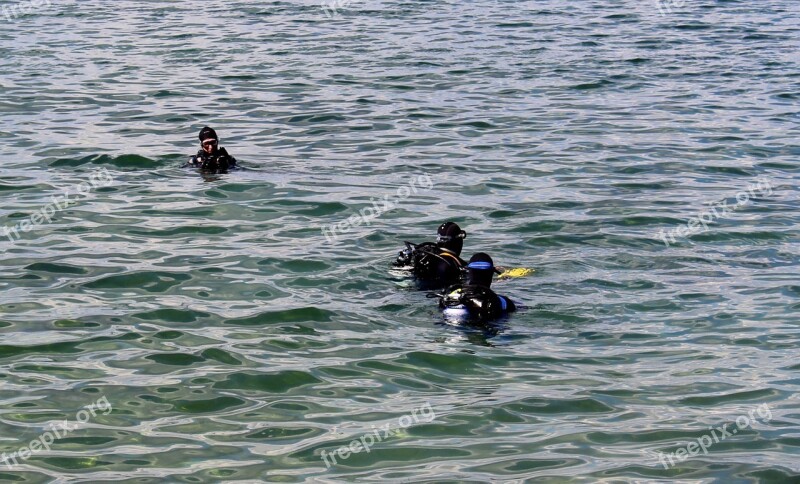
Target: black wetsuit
(480, 302)
(219, 160)
(432, 265)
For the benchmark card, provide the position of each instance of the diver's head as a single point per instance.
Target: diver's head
(451, 237)
(209, 140)
(481, 270)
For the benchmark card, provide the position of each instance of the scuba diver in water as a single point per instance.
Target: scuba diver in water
(436, 264)
(211, 157)
(475, 299)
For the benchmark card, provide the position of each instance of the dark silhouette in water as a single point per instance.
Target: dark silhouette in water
(436, 265)
(211, 157)
(475, 299)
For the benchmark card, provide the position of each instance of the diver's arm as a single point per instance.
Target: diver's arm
(230, 160)
(191, 163)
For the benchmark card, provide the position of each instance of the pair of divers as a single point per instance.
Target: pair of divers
(467, 285)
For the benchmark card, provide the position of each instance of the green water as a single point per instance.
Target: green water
(208, 330)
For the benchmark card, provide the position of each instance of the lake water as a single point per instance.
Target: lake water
(189, 328)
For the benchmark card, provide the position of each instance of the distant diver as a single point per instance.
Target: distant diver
(475, 300)
(211, 157)
(436, 265)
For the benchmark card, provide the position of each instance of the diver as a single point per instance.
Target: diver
(211, 157)
(436, 264)
(475, 299)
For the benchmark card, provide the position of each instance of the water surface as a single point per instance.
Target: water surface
(233, 342)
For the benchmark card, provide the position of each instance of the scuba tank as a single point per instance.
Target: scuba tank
(428, 262)
(476, 302)
(424, 260)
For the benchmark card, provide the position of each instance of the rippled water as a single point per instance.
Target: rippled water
(221, 337)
